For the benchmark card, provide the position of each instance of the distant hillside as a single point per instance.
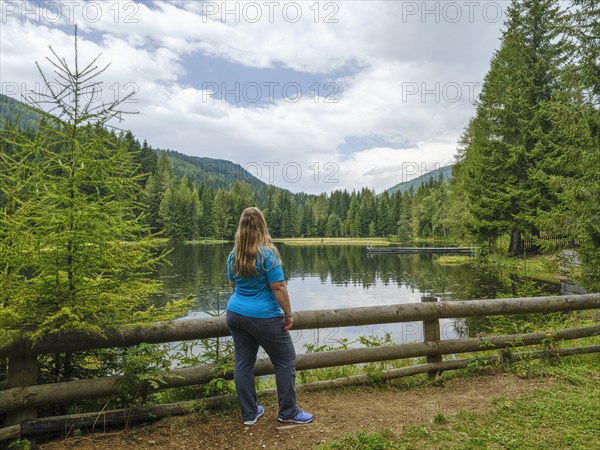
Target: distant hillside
(10, 109)
(216, 173)
(445, 172)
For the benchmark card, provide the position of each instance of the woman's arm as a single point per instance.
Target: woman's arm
(281, 295)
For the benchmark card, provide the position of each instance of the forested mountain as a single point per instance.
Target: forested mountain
(415, 183)
(216, 173)
(11, 109)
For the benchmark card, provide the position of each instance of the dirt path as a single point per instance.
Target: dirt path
(337, 412)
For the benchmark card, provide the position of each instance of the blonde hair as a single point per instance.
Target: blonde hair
(251, 239)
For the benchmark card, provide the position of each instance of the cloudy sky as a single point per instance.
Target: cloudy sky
(311, 96)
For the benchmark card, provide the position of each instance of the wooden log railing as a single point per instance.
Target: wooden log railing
(21, 397)
(211, 327)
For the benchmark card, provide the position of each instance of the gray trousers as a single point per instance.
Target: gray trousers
(248, 334)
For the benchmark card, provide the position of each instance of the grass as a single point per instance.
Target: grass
(562, 415)
(162, 241)
(362, 241)
(207, 241)
(539, 267)
(454, 260)
(333, 241)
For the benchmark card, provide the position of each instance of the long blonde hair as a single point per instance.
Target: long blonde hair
(251, 239)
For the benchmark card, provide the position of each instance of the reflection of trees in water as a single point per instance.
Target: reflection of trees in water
(345, 265)
(201, 270)
(513, 286)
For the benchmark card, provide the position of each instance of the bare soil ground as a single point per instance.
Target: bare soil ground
(337, 412)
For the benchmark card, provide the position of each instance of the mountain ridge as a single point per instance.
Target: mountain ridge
(404, 186)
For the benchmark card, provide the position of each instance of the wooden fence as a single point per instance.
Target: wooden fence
(557, 240)
(22, 395)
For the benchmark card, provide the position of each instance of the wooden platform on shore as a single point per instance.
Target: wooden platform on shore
(420, 250)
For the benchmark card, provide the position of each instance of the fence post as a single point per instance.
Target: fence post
(431, 332)
(22, 372)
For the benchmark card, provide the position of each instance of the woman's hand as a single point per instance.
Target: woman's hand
(288, 322)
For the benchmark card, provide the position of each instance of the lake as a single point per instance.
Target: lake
(341, 276)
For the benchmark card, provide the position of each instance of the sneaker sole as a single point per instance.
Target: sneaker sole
(253, 422)
(294, 421)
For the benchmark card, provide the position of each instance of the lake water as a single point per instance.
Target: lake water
(342, 277)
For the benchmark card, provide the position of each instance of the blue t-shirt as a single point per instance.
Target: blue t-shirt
(253, 296)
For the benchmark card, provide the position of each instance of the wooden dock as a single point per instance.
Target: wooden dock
(420, 250)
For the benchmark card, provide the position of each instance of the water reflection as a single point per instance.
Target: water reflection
(338, 277)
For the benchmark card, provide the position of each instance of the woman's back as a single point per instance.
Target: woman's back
(253, 296)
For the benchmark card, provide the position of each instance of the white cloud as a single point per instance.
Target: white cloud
(413, 81)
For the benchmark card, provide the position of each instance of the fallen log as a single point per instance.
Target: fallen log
(12, 432)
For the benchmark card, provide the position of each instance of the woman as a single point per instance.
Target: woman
(259, 313)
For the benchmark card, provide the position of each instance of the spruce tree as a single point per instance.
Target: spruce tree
(506, 151)
(575, 116)
(156, 187)
(179, 211)
(223, 220)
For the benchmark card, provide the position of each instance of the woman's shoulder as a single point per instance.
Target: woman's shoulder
(269, 255)
(267, 251)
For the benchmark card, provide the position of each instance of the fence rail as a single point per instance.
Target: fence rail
(23, 396)
(211, 327)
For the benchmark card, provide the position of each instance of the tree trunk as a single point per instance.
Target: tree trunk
(516, 244)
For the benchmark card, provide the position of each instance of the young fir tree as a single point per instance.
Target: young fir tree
(73, 254)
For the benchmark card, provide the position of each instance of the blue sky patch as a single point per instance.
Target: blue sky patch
(353, 144)
(246, 86)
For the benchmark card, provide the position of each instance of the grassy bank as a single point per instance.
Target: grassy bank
(162, 241)
(454, 260)
(207, 241)
(366, 241)
(564, 414)
(539, 267)
(334, 241)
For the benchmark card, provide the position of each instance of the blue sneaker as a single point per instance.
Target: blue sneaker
(259, 412)
(300, 417)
